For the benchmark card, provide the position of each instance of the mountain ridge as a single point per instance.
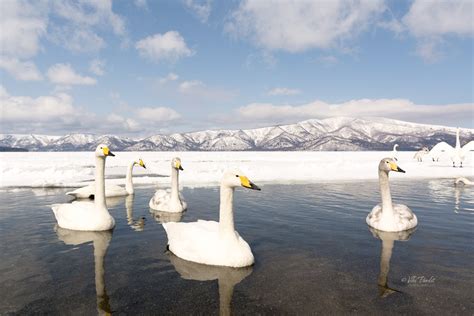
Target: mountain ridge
(332, 134)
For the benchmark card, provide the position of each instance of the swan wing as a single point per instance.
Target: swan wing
(84, 192)
(160, 200)
(193, 241)
(468, 147)
(440, 148)
(87, 192)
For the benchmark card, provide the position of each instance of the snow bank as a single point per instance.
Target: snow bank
(74, 169)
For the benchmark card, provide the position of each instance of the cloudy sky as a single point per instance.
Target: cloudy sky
(144, 67)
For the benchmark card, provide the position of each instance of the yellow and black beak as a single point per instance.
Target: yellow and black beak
(107, 152)
(141, 163)
(396, 168)
(178, 166)
(246, 183)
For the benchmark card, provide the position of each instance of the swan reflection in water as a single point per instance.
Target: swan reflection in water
(166, 217)
(388, 239)
(100, 241)
(136, 224)
(226, 277)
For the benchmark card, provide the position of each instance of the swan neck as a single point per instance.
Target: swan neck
(129, 179)
(174, 185)
(458, 142)
(387, 207)
(99, 197)
(226, 211)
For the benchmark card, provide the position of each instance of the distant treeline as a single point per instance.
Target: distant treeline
(2, 148)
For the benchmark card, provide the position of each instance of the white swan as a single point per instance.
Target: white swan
(214, 243)
(166, 200)
(464, 181)
(457, 153)
(420, 154)
(100, 242)
(227, 278)
(395, 152)
(388, 240)
(111, 190)
(88, 215)
(387, 216)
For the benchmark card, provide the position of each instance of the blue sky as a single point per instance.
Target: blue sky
(145, 67)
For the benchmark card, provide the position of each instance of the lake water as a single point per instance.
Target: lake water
(314, 254)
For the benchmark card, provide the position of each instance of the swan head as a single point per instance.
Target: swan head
(176, 163)
(140, 163)
(103, 151)
(389, 164)
(236, 178)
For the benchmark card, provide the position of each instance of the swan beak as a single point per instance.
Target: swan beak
(142, 164)
(246, 183)
(396, 168)
(178, 166)
(107, 152)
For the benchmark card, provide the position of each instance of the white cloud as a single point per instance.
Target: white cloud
(169, 46)
(64, 74)
(190, 86)
(170, 77)
(22, 25)
(97, 67)
(392, 108)
(58, 114)
(296, 26)
(283, 91)
(80, 23)
(20, 70)
(157, 114)
(432, 22)
(142, 4)
(20, 109)
(202, 9)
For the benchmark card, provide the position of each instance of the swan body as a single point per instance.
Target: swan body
(170, 200)
(395, 152)
(111, 190)
(87, 215)
(210, 242)
(456, 154)
(420, 154)
(463, 181)
(387, 216)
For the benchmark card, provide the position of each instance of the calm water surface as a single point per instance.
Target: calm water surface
(314, 254)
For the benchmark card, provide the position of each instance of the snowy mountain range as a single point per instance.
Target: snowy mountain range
(332, 134)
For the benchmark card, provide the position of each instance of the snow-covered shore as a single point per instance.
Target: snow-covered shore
(73, 169)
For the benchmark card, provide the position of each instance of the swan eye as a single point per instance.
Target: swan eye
(237, 175)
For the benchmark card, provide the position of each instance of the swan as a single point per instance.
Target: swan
(210, 242)
(227, 278)
(390, 217)
(395, 152)
(170, 201)
(420, 153)
(100, 242)
(463, 181)
(388, 240)
(88, 215)
(111, 190)
(457, 153)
